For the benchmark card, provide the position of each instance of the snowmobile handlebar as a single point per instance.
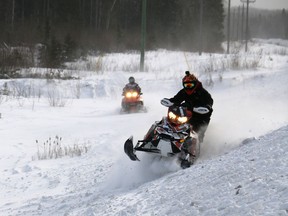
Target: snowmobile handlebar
(201, 110)
(166, 102)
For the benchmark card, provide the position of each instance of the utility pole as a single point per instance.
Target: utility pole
(143, 34)
(247, 28)
(242, 24)
(200, 27)
(238, 22)
(228, 27)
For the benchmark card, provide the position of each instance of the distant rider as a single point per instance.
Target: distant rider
(194, 95)
(132, 85)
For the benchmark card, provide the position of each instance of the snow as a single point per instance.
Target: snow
(242, 169)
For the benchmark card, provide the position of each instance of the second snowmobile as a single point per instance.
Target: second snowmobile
(132, 101)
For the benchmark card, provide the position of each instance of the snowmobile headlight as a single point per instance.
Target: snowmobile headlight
(172, 116)
(182, 120)
(131, 94)
(128, 94)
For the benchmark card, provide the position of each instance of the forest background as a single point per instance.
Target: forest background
(51, 32)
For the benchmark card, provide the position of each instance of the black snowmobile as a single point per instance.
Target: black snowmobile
(173, 136)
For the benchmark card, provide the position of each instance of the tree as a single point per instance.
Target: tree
(285, 24)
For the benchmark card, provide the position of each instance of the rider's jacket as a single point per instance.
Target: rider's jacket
(133, 86)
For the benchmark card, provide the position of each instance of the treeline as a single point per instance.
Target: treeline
(64, 30)
(262, 23)
(269, 24)
(113, 25)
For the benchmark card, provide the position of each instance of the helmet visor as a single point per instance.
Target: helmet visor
(189, 85)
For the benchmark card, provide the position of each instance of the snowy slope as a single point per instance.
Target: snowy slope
(242, 169)
(249, 180)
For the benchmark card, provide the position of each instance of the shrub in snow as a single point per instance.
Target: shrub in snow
(53, 149)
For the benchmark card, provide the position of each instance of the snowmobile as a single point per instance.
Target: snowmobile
(172, 137)
(132, 101)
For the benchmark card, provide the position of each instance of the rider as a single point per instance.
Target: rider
(194, 95)
(132, 85)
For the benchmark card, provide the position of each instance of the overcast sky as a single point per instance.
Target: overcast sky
(263, 4)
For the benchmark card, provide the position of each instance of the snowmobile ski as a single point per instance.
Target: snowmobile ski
(129, 149)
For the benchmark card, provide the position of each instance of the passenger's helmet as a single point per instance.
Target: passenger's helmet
(178, 115)
(131, 80)
(189, 81)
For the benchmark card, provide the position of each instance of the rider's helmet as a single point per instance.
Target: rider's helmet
(178, 115)
(131, 80)
(189, 81)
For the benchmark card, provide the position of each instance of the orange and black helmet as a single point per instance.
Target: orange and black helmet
(189, 81)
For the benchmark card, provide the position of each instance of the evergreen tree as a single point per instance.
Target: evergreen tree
(69, 49)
